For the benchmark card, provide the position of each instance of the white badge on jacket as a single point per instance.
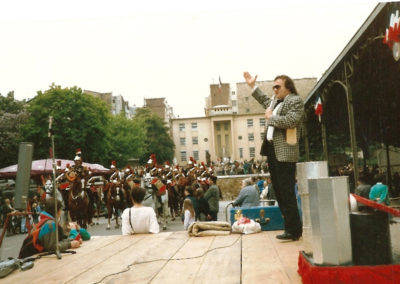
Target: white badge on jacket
(270, 129)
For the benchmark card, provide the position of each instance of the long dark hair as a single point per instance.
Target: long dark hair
(289, 84)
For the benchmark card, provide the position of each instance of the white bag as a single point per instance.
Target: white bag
(246, 226)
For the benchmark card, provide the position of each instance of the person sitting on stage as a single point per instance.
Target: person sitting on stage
(248, 196)
(47, 235)
(139, 219)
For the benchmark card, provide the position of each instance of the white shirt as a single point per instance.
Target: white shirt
(189, 219)
(143, 220)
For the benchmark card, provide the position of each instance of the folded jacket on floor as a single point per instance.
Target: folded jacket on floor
(213, 228)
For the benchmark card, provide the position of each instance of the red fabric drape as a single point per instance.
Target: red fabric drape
(313, 274)
(376, 205)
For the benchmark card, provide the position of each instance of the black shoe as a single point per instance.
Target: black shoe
(288, 237)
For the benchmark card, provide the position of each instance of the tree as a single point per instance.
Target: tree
(157, 140)
(79, 121)
(12, 115)
(127, 139)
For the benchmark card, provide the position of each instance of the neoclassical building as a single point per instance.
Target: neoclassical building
(233, 125)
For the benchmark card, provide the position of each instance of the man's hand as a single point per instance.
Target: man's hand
(251, 81)
(75, 244)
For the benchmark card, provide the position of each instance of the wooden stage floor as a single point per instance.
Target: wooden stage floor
(171, 257)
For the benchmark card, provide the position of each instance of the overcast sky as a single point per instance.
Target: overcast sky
(168, 48)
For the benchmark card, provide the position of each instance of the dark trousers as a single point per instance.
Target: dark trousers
(283, 182)
(214, 215)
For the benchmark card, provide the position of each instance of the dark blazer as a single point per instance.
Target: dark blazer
(290, 115)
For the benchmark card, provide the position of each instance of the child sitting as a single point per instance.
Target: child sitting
(189, 213)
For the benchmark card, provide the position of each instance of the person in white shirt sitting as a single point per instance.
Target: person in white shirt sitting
(139, 219)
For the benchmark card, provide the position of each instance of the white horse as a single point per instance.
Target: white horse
(159, 203)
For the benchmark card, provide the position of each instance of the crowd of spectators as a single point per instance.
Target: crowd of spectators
(240, 167)
(370, 176)
(18, 224)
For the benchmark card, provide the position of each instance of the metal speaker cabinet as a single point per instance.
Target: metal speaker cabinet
(23, 174)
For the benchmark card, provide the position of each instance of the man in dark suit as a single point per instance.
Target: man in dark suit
(284, 113)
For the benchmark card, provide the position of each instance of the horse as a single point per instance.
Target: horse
(95, 188)
(180, 185)
(157, 198)
(173, 199)
(78, 203)
(115, 202)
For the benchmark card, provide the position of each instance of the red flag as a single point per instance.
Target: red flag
(318, 107)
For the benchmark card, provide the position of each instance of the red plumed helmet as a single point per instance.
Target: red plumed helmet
(153, 159)
(192, 160)
(113, 164)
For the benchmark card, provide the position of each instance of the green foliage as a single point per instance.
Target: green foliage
(79, 121)
(12, 115)
(9, 105)
(127, 138)
(158, 140)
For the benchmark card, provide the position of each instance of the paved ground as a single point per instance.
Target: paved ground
(11, 245)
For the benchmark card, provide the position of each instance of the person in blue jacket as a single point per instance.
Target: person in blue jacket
(379, 192)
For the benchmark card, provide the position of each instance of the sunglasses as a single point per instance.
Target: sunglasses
(276, 87)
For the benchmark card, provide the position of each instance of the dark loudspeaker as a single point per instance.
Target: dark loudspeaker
(370, 238)
(23, 174)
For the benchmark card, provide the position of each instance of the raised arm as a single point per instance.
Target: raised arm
(250, 80)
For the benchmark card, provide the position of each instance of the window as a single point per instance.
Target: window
(247, 110)
(249, 123)
(195, 141)
(217, 126)
(241, 153)
(233, 103)
(183, 156)
(196, 155)
(181, 127)
(251, 137)
(182, 141)
(226, 125)
(262, 122)
(252, 152)
(262, 134)
(233, 93)
(194, 125)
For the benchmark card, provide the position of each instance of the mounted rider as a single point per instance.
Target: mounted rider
(117, 179)
(62, 183)
(80, 171)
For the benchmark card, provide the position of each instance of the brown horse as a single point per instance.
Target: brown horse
(181, 185)
(78, 203)
(173, 200)
(115, 202)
